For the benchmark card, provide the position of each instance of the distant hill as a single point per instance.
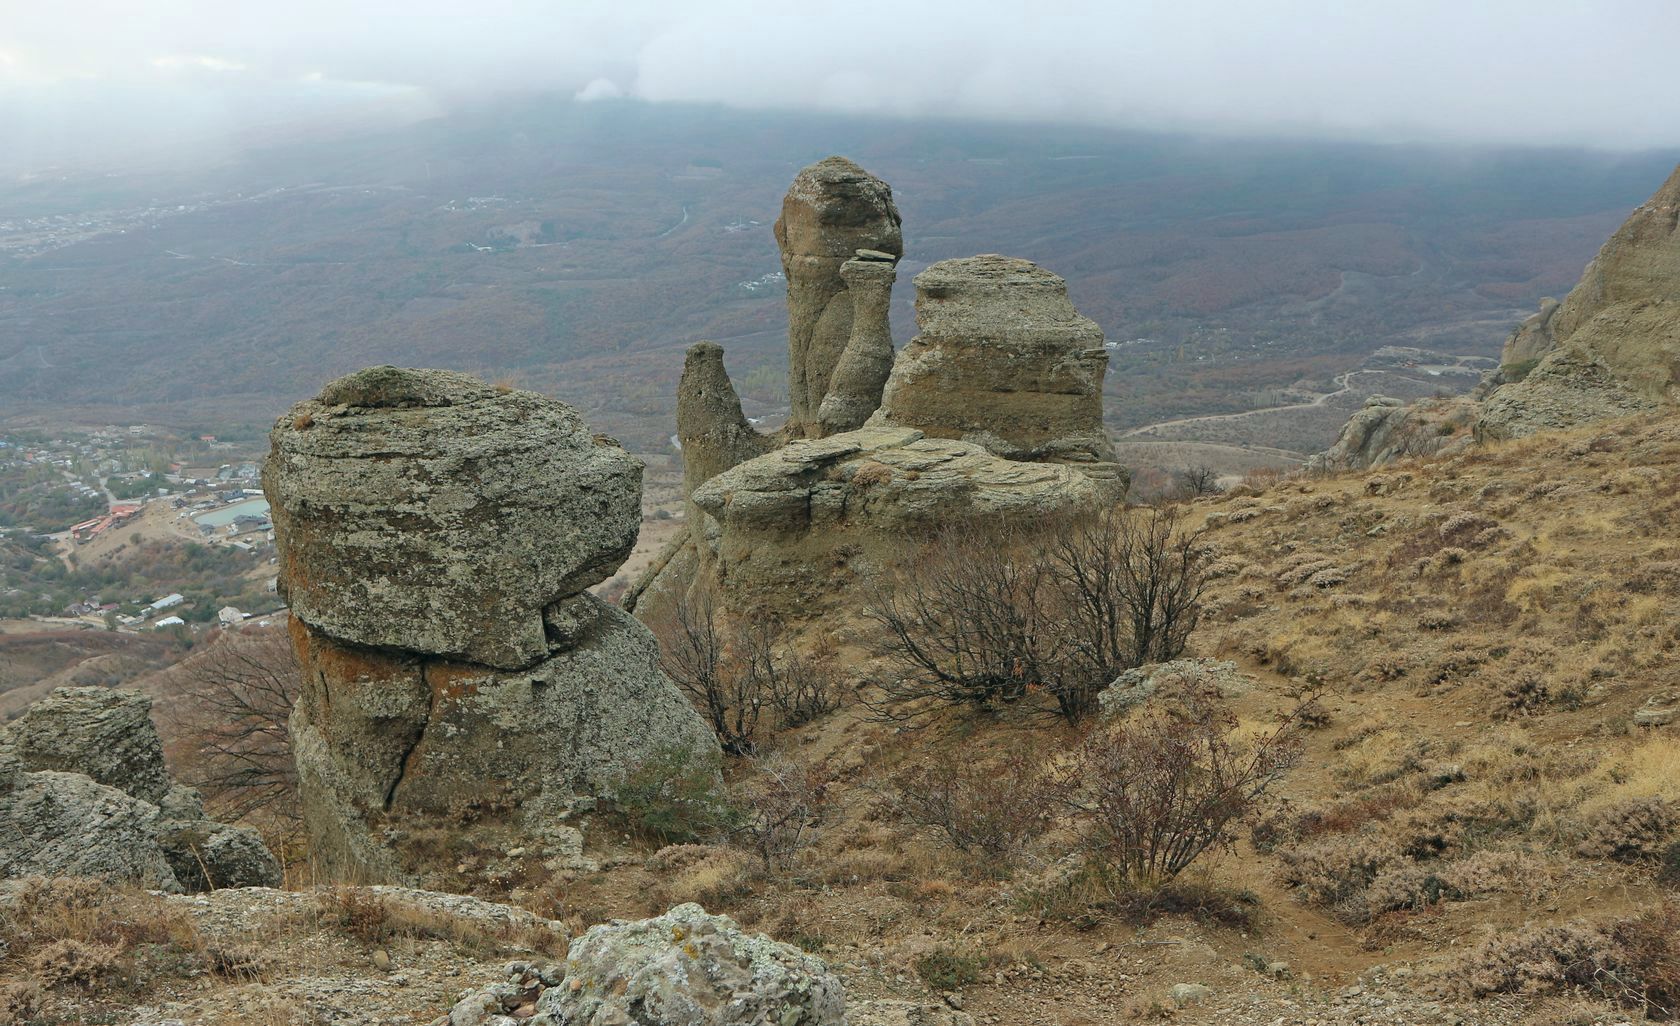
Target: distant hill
(577, 249)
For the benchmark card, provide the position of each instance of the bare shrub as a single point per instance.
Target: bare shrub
(1198, 479)
(775, 806)
(1634, 962)
(695, 651)
(971, 622)
(1157, 792)
(992, 809)
(796, 686)
(1129, 587)
(1631, 831)
(982, 619)
(237, 696)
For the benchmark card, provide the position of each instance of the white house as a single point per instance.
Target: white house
(168, 621)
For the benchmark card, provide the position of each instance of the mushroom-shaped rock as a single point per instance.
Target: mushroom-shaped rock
(424, 510)
(833, 210)
(688, 968)
(1002, 359)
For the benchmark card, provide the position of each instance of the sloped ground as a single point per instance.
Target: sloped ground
(1481, 629)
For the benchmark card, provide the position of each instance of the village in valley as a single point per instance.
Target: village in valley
(89, 517)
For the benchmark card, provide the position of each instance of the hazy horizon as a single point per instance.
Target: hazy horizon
(91, 82)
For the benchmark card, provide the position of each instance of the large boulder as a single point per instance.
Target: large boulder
(205, 855)
(802, 523)
(426, 511)
(688, 968)
(388, 744)
(104, 733)
(1002, 359)
(66, 824)
(1612, 347)
(833, 210)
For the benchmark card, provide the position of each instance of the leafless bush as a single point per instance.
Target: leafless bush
(987, 808)
(776, 804)
(796, 686)
(1631, 831)
(694, 651)
(1199, 479)
(1129, 586)
(986, 618)
(1634, 962)
(238, 694)
(971, 622)
(1159, 791)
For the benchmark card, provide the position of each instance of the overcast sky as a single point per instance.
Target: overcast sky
(85, 77)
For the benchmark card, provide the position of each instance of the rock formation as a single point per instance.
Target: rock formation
(436, 536)
(794, 521)
(1387, 429)
(1002, 359)
(1612, 347)
(968, 423)
(83, 792)
(425, 510)
(833, 210)
(684, 967)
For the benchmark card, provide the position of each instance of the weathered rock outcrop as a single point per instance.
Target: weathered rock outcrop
(688, 968)
(490, 688)
(427, 511)
(1387, 429)
(854, 392)
(89, 795)
(65, 824)
(833, 210)
(1612, 347)
(103, 733)
(714, 433)
(1002, 359)
(794, 520)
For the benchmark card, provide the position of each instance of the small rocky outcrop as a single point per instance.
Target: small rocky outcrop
(1612, 346)
(797, 520)
(103, 733)
(1002, 359)
(1388, 429)
(425, 510)
(1177, 680)
(684, 968)
(492, 690)
(833, 210)
(854, 391)
(83, 792)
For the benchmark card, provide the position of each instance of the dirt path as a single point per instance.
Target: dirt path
(1343, 383)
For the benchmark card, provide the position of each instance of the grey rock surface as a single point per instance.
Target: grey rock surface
(205, 855)
(1385, 430)
(1001, 358)
(424, 510)
(1176, 679)
(688, 968)
(65, 824)
(833, 209)
(104, 733)
(854, 391)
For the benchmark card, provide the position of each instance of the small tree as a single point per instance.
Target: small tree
(1198, 479)
(238, 695)
(775, 805)
(791, 683)
(991, 808)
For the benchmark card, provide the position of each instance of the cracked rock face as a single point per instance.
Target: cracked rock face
(1002, 359)
(435, 538)
(388, 742)
(105, 733)
(423, 510)
(834, 212)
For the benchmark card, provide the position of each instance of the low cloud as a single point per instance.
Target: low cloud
(1506, 71)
